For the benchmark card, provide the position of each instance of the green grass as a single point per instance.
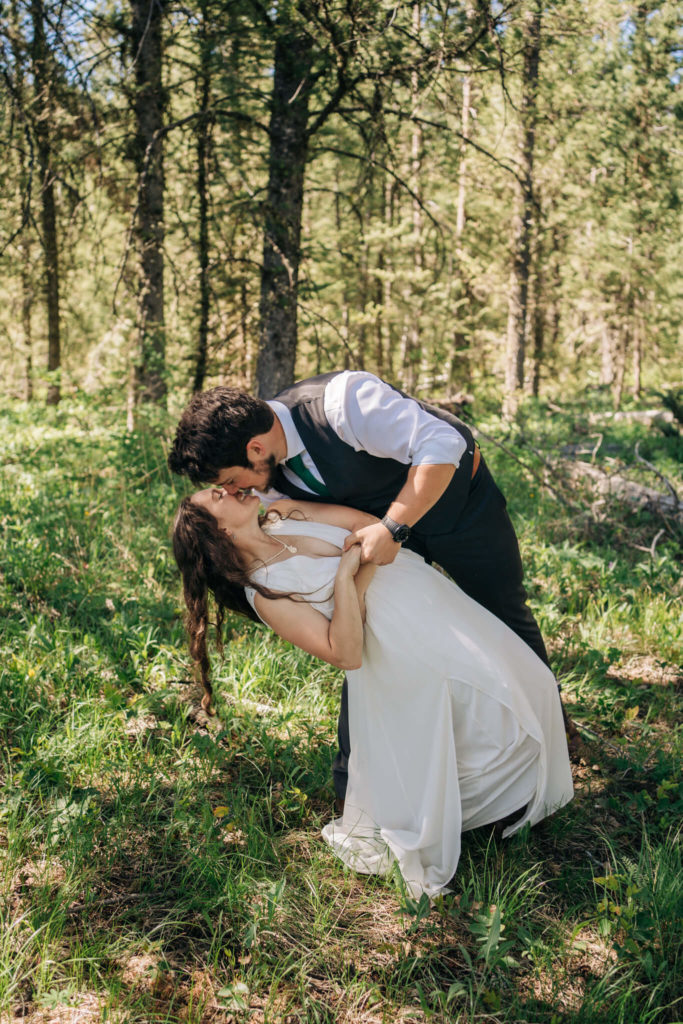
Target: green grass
(161, 866)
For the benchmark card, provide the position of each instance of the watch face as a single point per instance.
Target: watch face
(402, 534)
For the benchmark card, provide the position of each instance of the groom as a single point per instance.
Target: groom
(351, 439)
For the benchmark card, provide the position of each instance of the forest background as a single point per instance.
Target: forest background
(459, 197)
(481, 203)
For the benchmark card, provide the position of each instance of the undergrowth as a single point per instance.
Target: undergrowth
(161, 866)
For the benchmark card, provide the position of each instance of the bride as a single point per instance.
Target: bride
(454, 721)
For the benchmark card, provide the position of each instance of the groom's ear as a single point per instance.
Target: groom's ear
(256, 449)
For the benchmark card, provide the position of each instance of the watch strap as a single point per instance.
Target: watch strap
(399, 531)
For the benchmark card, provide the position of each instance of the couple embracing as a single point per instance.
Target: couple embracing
(450, 716)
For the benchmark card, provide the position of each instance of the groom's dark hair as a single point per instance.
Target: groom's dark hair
(214, 431)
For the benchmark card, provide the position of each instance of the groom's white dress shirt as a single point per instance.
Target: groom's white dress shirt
(370, 416)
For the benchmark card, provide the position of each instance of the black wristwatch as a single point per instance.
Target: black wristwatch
(399, 531)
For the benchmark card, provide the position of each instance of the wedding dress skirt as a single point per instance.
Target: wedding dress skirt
(454, 721)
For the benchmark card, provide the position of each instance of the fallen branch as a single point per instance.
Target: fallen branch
(110, 901)
(667, 483)
(597, 738)
(636, 495)
(648, 416)
(652, 550)
(601, 438)
(541, 481)
(653, 547)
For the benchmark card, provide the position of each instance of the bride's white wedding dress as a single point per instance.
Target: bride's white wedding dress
(454, 721)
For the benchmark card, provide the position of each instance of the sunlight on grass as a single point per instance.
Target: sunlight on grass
(159, 865)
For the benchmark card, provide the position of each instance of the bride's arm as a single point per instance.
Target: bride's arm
(334, 515)
(338, 641)
(363, 577)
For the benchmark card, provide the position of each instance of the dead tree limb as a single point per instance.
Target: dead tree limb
(667, 483)
(542, 481)
(617, 486)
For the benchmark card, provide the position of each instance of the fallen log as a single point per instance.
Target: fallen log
(647, 416)
(618, 486)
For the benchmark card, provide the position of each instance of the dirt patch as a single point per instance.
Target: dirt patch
(46, 871)
(80, 1008)
(139, 725)
(590, 955)
(563, 984)
(648, 671)
(141, 972)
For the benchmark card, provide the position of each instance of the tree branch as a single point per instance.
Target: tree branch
(378, 163)
(667, 483)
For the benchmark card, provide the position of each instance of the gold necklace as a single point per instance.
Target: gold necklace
(284, 547)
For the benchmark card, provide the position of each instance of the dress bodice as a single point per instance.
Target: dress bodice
(311, 576)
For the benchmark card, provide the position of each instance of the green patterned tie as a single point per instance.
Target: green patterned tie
(296, 464)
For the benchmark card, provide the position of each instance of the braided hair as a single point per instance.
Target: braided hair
(210, 562)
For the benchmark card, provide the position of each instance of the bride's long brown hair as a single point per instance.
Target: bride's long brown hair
(209, 561)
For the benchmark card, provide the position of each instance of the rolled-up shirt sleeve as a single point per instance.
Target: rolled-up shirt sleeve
(370, 416)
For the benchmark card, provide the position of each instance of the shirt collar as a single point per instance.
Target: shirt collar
(295, 445)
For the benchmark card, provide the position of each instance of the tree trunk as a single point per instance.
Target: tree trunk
(537, 319)
(465, 132)
(625, 332)
(379, 315)
(41, 81)
(148, 107)
(23, 197)
(620, 351)
(524, 217)
(636, 353)
(607, 358)
(555, 293)
(347, 275)
(283, 212)
(364, 289)
(26, 306)
(462, 169)
(459, 368)
(203, 134)
(538, 331)
(246, 337)
(411, 354)
(385, 285)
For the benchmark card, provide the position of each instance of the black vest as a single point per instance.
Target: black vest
(361, 480)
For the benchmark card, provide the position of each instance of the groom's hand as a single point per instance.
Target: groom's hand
(376, 544)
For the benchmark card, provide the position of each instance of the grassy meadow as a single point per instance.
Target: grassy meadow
(159, 866)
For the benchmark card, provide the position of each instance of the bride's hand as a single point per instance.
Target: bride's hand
(377, 544)
(349, 563)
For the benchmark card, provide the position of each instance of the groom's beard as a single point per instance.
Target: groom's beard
(268, 467)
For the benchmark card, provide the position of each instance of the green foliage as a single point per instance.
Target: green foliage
(160, 865)
(389, 277)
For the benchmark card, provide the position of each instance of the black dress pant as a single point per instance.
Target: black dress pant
(481, 554)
